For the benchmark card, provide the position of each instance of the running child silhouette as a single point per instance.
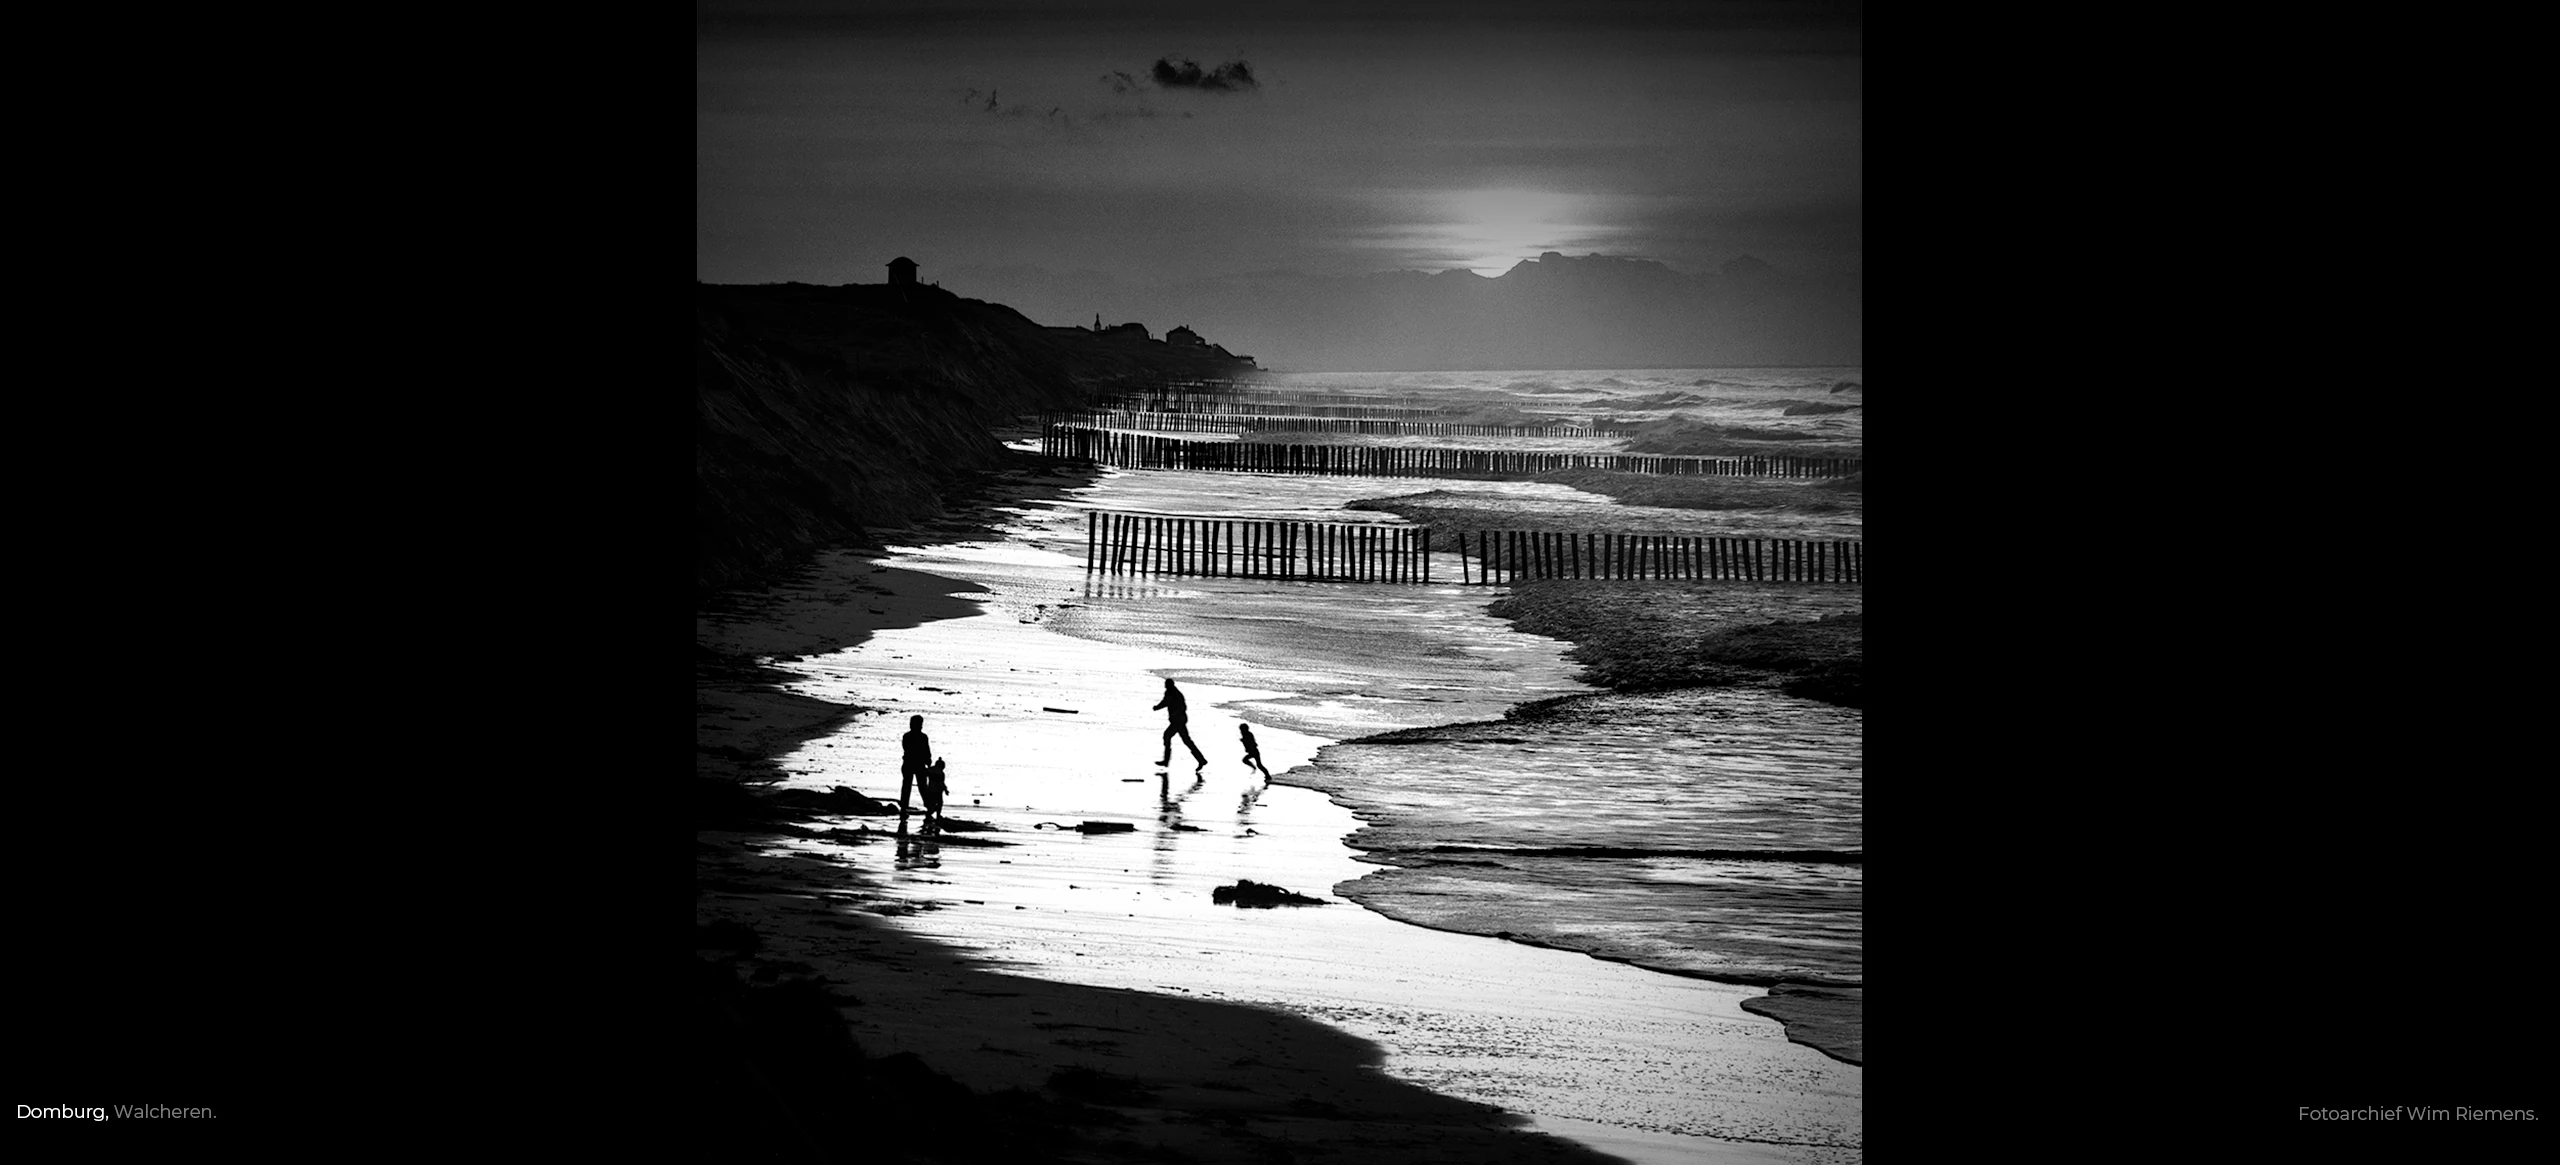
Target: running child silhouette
(1252, 750)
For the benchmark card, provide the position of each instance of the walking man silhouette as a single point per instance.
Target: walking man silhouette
(1177, 714)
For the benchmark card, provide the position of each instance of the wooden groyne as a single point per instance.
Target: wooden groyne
(1244, 422)
(1276, 407)
(1124, 543)
(1117, 543)
(1501, 556)
(1142, 451)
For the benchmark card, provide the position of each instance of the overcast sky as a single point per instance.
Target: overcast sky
(1325, 139)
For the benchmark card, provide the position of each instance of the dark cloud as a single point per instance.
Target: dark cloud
(1232, 77)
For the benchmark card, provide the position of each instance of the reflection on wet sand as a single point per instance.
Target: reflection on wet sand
(1043, 703)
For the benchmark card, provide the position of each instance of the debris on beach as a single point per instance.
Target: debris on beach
(1068, 711)
(1247, 892)
(839, 799)
(1090, 826)
(936, 838)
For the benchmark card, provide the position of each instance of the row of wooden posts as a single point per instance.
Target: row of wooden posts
(1118, 543)
(1276, 407)
(1141, 451)
(1241, 422)
(1507, 555)
(1246, 548)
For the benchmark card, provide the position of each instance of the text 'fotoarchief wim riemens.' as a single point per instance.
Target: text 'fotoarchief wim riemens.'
(2414, 1113)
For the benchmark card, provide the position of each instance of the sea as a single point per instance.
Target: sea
(1709, 832)
(1713, 833)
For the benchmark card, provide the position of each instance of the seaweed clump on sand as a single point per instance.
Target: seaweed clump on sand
(1247, 892)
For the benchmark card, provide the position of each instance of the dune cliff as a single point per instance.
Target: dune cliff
(821, 411)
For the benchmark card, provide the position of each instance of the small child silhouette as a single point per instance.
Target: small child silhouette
(1252, 750)
(933, 782)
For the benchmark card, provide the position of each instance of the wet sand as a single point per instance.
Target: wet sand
(953, 945)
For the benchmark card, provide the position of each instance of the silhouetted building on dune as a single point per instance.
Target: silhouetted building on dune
(902, 272)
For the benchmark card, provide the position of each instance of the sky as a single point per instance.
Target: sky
(1160, 142)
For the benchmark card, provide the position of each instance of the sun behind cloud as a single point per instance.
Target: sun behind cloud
(1490, 230)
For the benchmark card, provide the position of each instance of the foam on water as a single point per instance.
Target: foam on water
(1703, 832)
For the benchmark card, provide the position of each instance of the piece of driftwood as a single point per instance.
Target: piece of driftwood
(1247, 892)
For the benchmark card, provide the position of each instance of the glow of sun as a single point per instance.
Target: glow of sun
(1489, 230)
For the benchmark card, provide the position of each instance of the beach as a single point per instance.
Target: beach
(1014, 951)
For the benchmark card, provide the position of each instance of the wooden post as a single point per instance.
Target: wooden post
(1426, 555)
(1466, 575)
(1092, 522)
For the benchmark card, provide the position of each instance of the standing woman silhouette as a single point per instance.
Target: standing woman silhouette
(912, 764)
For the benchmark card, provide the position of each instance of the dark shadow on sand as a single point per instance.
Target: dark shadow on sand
(784, 942)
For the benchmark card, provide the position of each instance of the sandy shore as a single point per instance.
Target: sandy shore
(1193, 1019)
